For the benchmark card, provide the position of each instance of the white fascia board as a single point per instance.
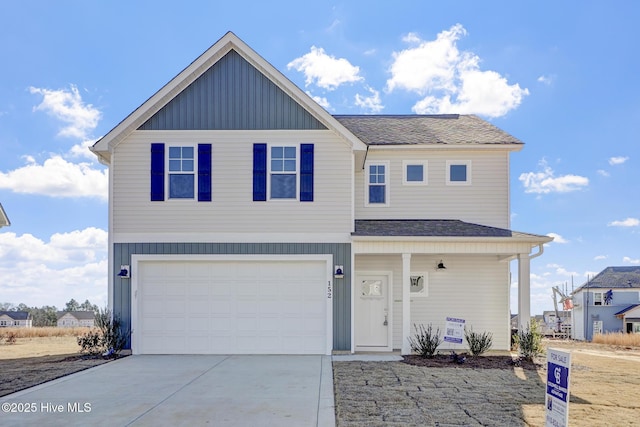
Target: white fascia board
(532, 239)
(231, 237)
(466, 147)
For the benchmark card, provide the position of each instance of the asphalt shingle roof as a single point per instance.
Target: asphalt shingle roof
(80, 315)
(615, 277)
(16, 315)
(425, 129)
(426, 227)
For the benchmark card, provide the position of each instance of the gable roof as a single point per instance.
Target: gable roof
(614, 278)
(4, 219)
(437, 228)
(103, 147)
(16, 315)
(80, 315)
(627, 310)
(449, 129)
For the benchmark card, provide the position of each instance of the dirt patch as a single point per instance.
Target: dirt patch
(470, 362)
(19, 374)
(33, 361)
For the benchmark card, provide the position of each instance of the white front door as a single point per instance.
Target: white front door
(372, 314)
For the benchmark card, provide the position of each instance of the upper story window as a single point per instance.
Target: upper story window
(602, 298)
(377, 183)
(283, 173)
(181, 177)
(414, 173)
(458, 172)
(180, 172)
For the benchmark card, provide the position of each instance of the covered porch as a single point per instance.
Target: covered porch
(409, 272)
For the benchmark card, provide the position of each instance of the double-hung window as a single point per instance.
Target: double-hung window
(458, 172)
(181, 172)
(377, 184)
(283, 172)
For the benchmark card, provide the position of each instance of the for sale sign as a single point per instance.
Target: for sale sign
(557, 397)
(454, 330)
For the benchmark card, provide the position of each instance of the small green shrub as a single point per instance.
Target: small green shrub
(426, 341)
(529, 341)
(478, 342)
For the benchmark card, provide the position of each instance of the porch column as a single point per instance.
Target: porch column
(524, 291)
(406, 303)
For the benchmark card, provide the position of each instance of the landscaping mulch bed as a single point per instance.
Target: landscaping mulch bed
(471, 362)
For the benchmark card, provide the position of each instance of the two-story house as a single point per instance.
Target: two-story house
(244, 218)
(609, 302)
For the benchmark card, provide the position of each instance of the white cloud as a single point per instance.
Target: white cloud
(324, 70)
(557, 238)
(602, 172)
(547, 80)
(324, 103)
(629, 222)
(599, 257)
(82, 150)
(545, 181)
(68, 107)
(57, 177)
(630, 260)
(449, 80)
(617, 160)
(69, 265)
(372, 103)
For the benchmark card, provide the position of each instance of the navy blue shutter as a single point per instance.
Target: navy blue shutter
(157, 172)
(306, 172)
(259, 172)
(204, 172)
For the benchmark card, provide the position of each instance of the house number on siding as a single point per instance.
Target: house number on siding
(329, 290)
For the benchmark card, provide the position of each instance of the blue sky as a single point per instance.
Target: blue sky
(560, 76)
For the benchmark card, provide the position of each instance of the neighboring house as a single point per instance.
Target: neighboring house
(15, 319)
(4, 219)
(551, 326)
(607, 303)
(72, 319)
(244, 218)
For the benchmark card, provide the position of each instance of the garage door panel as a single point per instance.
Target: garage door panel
(262, 307)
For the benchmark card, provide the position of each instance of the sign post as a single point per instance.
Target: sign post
(454, 330)
(557, 396)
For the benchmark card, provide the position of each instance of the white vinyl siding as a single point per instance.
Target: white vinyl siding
(485, 201)
(474, 288)
(232, 208)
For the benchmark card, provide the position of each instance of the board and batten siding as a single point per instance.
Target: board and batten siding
(232, 208)
(485, 201)
(474, 288)
(341, 286)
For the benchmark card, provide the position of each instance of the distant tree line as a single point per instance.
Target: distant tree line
(47, 314)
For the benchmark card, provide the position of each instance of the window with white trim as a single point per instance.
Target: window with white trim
(458, 172)
(181, 177)
(283, 172)
(414, 172)
(599, 298)
(377, 184)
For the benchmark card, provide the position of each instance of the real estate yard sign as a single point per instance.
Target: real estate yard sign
(454, 330)
(557, 397)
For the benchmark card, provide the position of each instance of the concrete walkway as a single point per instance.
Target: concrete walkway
(183, 390)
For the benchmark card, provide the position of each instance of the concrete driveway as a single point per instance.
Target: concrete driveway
(183, 390)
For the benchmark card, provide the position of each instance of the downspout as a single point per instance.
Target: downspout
(540, 252)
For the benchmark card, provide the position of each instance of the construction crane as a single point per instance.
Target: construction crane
(567, 304)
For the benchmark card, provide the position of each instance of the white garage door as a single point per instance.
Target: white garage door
(231, 307)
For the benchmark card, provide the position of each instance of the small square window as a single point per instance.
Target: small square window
(459, 172)
(415, 173)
